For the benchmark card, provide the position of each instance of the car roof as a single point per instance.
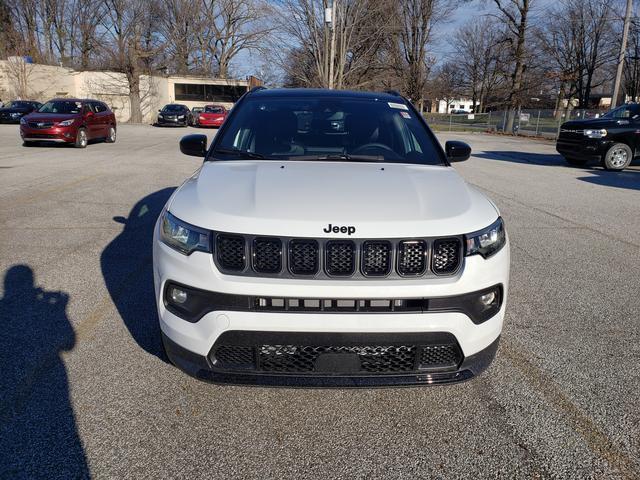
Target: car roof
(326, 93)
(65, 99)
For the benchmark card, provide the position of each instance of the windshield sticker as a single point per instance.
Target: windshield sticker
(401, 106)
(405, 114)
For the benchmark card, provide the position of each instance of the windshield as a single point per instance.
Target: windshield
(173, 108)
(213, 109)
(623, 112)
(61, 106)
(339, 128)
(18, 105)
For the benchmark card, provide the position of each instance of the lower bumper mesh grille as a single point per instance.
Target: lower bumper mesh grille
(361, 359)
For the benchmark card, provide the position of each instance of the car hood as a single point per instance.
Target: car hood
(13, 110)
(50, 117)
(592, 123)
(302, 198)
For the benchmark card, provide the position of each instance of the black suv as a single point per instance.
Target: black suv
(174, 114)
(611, 139)
(12, 112)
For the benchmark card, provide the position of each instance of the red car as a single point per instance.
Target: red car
(69, 120)
(212, 116)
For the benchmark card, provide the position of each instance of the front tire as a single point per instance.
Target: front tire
(81, 138)
(111, 135)
(618, 157)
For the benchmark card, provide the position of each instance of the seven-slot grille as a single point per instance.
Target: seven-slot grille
(299, 257)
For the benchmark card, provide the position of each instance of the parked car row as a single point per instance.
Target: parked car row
(62, 120)
(178, 115)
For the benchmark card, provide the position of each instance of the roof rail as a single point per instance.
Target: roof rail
(395, 93)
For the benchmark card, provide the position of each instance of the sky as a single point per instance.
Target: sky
(249, 64)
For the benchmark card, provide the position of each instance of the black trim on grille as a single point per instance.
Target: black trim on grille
(376, 258)
(266, 255)
(340, 258)
(412, 257)
(446, 256)
(303, 257)
(231, 252)
(321, 258)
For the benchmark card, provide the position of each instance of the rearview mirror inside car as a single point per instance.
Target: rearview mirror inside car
(457, 151)
(194, 145)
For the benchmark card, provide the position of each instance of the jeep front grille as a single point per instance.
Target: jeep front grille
(303, 257)
(341, 258)
(231, 252)
(446, 256)
(332, 258)
(376, 258)
(412, 257)
(267, 255)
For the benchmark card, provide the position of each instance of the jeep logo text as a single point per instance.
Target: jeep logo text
(349, 230)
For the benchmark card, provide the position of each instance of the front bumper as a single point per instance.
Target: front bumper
(201, 367)
(163, 122)
(583, 148)
(53, 134)
(191, 344)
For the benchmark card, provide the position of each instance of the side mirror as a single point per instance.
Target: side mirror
(159, 110)
(194, 145)
(89, 114)
(457, 151)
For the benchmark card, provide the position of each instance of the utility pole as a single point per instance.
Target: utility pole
(332, 54)
(328, 15)
(623, 51)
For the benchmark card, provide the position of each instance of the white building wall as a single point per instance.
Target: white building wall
(45, 82)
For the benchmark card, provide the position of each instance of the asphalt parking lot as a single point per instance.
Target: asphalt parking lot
(86, 392)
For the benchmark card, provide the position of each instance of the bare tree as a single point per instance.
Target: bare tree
(415, 21)
(576, 41)
(479, 47)
(515, 16)
(131, 44)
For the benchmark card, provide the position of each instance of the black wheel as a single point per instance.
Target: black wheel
(81, 138)
(618, 157)
(576, 162)
(111, 135)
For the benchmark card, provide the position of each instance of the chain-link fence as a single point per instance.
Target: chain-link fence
(540, 123)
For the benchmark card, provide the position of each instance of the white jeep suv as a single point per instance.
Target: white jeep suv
(327, 241)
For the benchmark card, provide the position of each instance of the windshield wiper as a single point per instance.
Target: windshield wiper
(238, 153)
(340, 157)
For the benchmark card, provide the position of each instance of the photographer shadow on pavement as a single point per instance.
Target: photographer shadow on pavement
(38, 435)
(128, 271)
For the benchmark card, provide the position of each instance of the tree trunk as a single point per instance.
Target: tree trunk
(135, 103)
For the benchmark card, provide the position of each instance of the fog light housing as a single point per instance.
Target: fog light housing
(177, 295)
(487, 299)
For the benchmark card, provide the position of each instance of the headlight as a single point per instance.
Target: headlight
(487, 241)
(23, 121)
(596, 133)
(183, 237)
(160, 116)
(180, 117)
(16, 115)
(66, 123)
